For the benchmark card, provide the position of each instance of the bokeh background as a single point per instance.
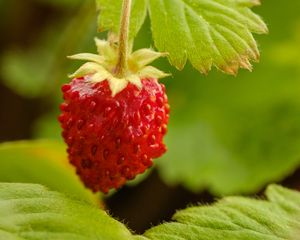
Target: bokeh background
(227, 135)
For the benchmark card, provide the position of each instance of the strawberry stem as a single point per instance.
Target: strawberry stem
(121, 68)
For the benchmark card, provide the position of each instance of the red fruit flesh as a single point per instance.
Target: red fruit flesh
(112, 139)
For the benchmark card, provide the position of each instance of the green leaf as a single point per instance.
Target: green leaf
(110, 12)
(44, 162)
(205, 32)
(30, 211)
(236, 218)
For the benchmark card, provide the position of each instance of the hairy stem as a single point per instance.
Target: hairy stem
(121, 68)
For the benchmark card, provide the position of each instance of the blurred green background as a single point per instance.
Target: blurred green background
(227, 135)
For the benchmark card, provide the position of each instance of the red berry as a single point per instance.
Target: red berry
(111, 139)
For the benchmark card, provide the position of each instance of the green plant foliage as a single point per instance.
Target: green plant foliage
(235, 135)
(44, 162)
(30, 211)
(109, 17)
(205, 32)
(236, 218)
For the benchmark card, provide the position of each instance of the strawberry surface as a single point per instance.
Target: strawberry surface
(110, 138)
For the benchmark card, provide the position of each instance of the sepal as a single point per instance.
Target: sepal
(152, 72)
(102, 66)
(117, 85)
(87, 69)
(143, 57)
(88, 57)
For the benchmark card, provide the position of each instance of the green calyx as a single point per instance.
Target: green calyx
(102, 66)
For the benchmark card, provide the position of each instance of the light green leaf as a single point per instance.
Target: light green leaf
(30, 211)
(44, 162)
(236, 218)
(205, 32)
(110, 12)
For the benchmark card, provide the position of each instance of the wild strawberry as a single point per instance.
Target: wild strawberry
(114, 127)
